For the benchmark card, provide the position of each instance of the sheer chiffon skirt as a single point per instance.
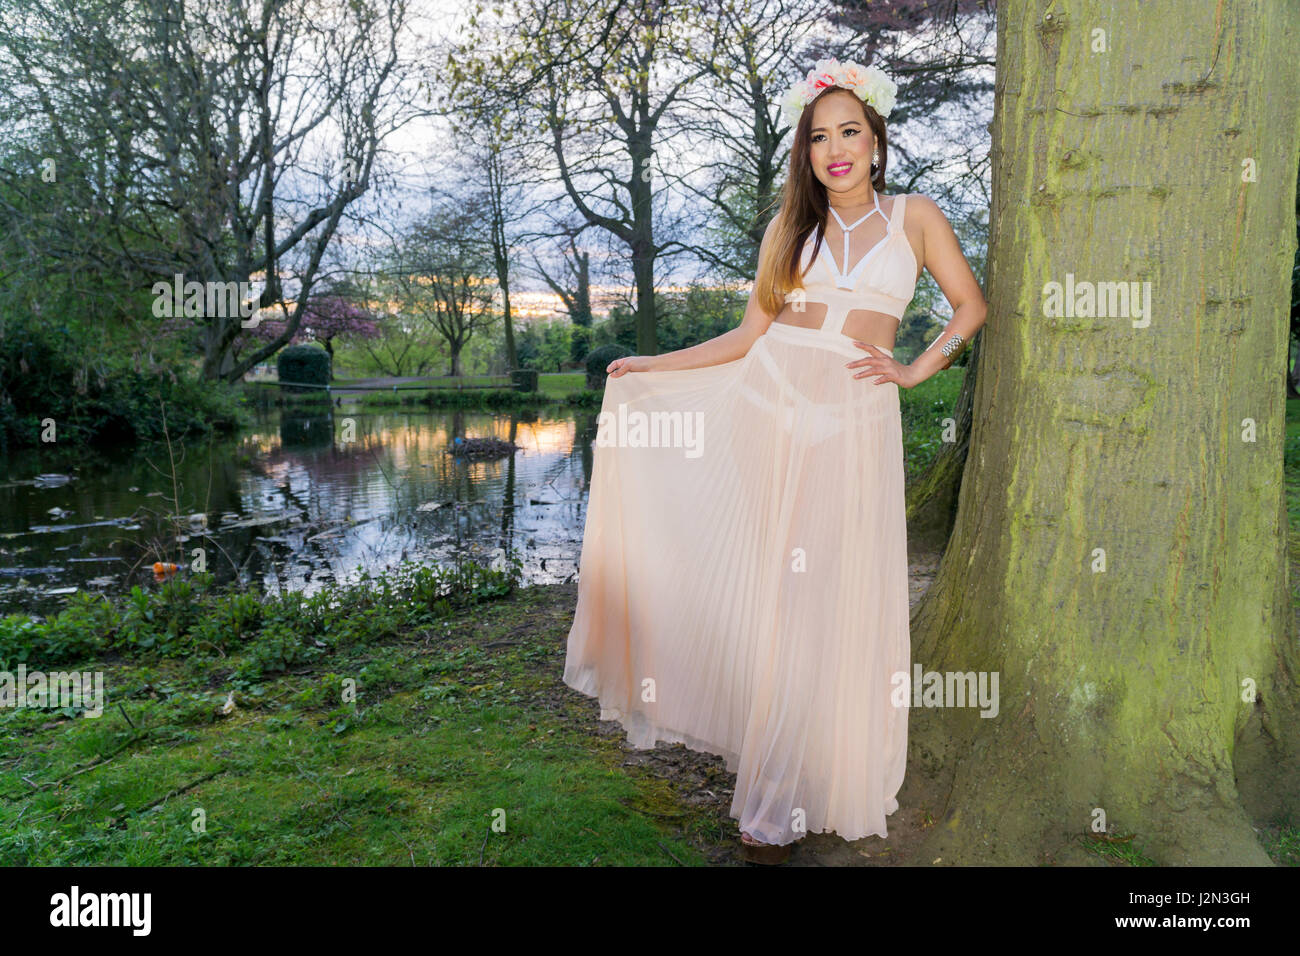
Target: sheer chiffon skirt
(743, 579)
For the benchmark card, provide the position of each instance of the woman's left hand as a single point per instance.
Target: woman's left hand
(882, 365)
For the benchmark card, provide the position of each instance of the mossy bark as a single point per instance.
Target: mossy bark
(1119, 553)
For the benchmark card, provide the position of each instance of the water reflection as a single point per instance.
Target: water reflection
(307, 496)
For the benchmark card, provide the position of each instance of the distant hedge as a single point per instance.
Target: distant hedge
(524, 379)
(306, 364)
(597, 359)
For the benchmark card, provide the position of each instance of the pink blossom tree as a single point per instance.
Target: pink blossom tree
(324, 319)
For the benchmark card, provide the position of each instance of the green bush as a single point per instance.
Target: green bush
(278, 648)
(524, 379)
(579, 342)
(307, 364)
(231, 623)
(185, 619)
(76, 633)
(51, 372)
(21, 640)
(80, 631)
(597, 360)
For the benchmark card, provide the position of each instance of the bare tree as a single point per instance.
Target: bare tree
(735, 120)
(443, 271)
(573, 285)
(602, 78)
(222, 145)
(505, 161)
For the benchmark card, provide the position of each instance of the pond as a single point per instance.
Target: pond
(304, 498)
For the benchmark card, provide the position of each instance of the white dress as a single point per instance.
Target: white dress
(743, 579)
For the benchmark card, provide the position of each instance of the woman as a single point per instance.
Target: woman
(743, 585)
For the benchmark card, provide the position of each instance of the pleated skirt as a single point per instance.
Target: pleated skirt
(742, 585)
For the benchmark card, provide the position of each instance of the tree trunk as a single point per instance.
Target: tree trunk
(512, 355)
(647, 335)
(932, 500)
(1119, 554)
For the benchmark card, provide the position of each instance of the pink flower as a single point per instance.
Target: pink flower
(854, 75)
(825, 73)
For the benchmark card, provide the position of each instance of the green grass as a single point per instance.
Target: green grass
(1116, 850)
(1283, 846)
(923, 410)
(454, 725)
(561, 384)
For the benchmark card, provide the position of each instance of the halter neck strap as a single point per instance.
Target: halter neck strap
(848, 229)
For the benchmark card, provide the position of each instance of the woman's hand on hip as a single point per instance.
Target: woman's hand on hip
(877, 362)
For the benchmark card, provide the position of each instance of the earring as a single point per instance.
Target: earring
(875, 159)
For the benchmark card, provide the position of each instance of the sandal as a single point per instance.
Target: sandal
(769, 854)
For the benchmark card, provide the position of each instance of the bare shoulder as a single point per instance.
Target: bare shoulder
(922, 207)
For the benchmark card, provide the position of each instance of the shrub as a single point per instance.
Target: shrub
(596, 361)
(579, 342)
(80, 631)
(21, 640)
(75, 634)
(524, 379)
(48, 372)
(278, 648)
(308, 364)
(230, 624)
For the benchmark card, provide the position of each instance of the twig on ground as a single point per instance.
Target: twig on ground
(670, 853)
(176, 793)
(64, 779)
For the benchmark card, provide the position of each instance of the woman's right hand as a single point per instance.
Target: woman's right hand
(630, 363)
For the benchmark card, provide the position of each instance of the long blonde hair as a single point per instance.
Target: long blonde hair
(803, 209)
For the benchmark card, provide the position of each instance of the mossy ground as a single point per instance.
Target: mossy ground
(454, 728)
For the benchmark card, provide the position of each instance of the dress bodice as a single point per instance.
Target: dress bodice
(883, 280)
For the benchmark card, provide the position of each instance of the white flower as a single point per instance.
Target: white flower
(796, 98)
(870, 83)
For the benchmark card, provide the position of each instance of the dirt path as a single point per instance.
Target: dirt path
(354, 385)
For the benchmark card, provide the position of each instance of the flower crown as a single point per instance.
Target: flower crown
(869, 83)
